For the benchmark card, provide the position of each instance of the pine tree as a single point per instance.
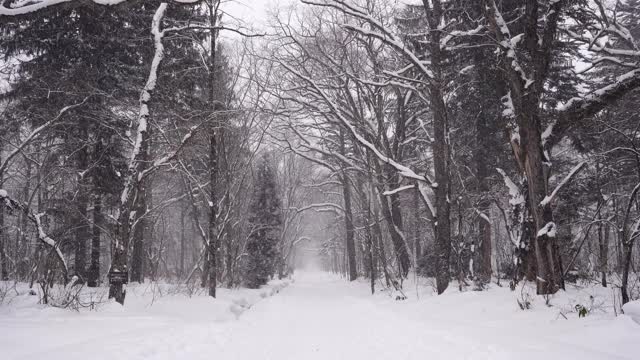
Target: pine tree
(266, 221)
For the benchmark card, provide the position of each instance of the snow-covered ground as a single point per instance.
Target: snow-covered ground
(320, 316)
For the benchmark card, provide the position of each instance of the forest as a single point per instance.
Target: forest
(400, 150)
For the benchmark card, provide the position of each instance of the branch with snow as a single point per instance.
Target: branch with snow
(548, 230)
(515, 196)
(397, 190)
(35, 133)
(605, 41)
(547, 199)
(319, 207)
(12, 205)
(30, 6)
(402, 170)
(517, 202)
(506, 42)
(381, 32)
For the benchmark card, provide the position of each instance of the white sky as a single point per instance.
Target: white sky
(252, 12)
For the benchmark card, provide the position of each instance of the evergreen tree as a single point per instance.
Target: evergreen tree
(265, 220)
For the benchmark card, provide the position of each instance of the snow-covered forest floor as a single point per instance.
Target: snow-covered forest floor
(320, 316)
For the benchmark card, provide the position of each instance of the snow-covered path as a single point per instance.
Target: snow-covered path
(320, 317)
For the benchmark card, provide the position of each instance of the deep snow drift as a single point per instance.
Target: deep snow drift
(320, 316)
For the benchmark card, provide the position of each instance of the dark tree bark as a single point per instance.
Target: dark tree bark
(348, 219)
(603, 252)
(182, 239)
(628, 237)
(440, 148)
(216, 105)
(82, 201)
(417, 236)
(140, 229)
(370, 253)
(4, 270)
(22, 247)
(4, 266)
(526, 96)
(397, 238)
(483, 171)
(93, 275)
(212, 246)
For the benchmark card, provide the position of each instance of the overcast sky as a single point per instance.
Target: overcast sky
(253, 12)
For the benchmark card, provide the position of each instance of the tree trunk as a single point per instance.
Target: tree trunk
(182, 240)
(348, 221)
(22, 247)
(4, 270)
(369, 245)
(483, 172)
(441, 168)
(628, 237)
(4, 266)
(417, 236)
(212, 246)
(603, 247)
(141, 219)
(93, 276)
(442, 226)
(82, 202)
(627, 249)
(118, 272)
(348, 218)
(549, 270)
(397, 238)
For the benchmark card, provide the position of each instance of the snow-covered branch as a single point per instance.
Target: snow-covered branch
(26, 7)
(381, 32)
(397, 190)
(136, 158)
(34, 135)
(516, 218)
(547, 200)
(402, 170)
(12, 205)
(515, 196)
(506, 42)
(319, 207)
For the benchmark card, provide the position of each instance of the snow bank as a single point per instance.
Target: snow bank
(632, 309)
(323, 316)
(155, 316)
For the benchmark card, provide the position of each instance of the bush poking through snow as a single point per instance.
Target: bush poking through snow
(73, 297)
(582, 311)
(526, 299)
(7, 291)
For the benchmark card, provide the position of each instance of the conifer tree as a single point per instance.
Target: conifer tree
(266, 221)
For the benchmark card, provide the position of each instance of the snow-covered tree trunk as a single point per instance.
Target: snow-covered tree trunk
(118, 272)
(525, 94)
(142, 222)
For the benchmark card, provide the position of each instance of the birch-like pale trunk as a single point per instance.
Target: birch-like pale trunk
(118, 272)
